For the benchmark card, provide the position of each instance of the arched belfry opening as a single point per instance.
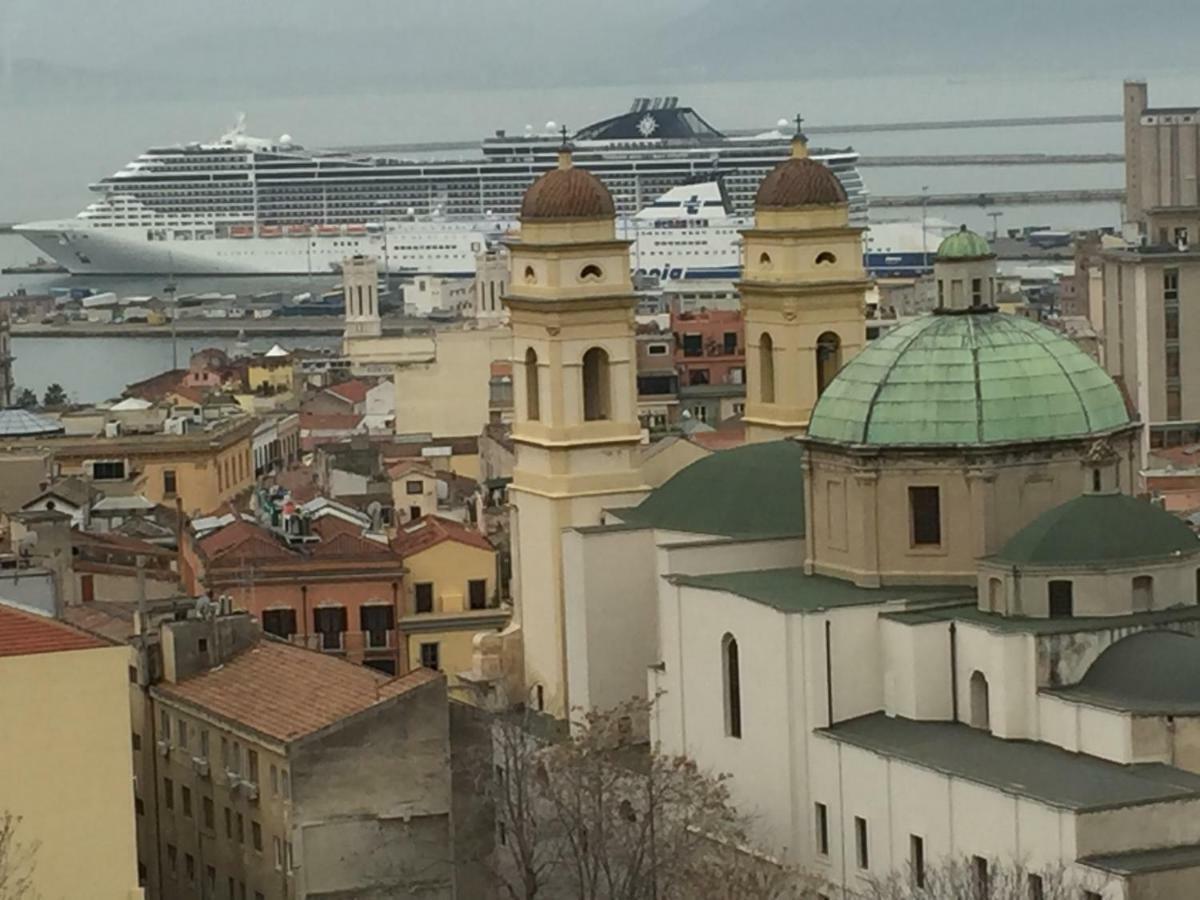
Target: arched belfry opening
(829, 359)
(597, 391)
(981, 716)
(533, 394)
(766, 369)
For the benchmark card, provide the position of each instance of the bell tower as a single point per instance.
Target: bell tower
(571, 307)
(803, 293)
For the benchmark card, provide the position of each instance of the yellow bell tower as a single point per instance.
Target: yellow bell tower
(576, 431)
(803, 293)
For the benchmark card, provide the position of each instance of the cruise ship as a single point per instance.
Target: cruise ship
(246, 205)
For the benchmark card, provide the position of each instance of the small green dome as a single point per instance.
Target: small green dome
(968, 378)
(964, 244)
(756, 490)
(1100, 529)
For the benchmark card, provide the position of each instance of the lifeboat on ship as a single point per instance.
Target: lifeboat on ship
(329, 230)
(299, 230)
(356, 230)
(241, 231)
(270, 231)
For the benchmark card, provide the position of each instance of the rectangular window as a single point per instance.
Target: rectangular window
(274, 781)
(172, 860)
(164, 726)
(657, 350)
(256, 836)
(977, 292)
(1037, 890)
(252, 765)
(1172, 362)
(429, 656)
(424, 594)
(185, 800)
(229, 823)
(1170, 284)
(916, 859)
(189, 866)
(183, 735)
(1061, 599)
(861, 851)
(169, 482)
(925, 511)
(278, 854)
(1092, 895)
(108, 470)
(137, 742)
(285, 786)
(698, 376)
(376, 622)
(414, 487)
(204, 743)
(1171, 320)
(210, 880)
(210, 814)
(693, 345)
(731, 343)
(979, 877)
(330, 623)
(1174, 404)
(279, 622)
(168, 793)
(477, 593)
(241, 829)
(822, 827)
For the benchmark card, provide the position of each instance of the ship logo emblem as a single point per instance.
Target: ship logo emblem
(647, 125)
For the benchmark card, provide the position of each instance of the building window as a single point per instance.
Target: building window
(189, 866)
(172, 860)
(766, 369)
(730, 343)
(169, 482)
(183, 735)
(274, 781)
(1037, 890)
(279, 622)
(429, 656)
(980, 712)
(925, 512)
(185, 800)
(862, 853)
(164, 725)
(1092, 895)
(210, 814)
(424, 596)
(916, 859)
(829, 359)
(941, 293)
(692, 343)
(210, 881)
(414, 487)
(1143, 593)
(698, 377)
(168, 793)
(822, 828)
(284, 784)
(995, 595)
(596, 388)
(108, 470)
(376, 622)
(1062, 601)
(539, 698)
(656, 350)
(533, 404)
(477, 593)
(278, 846)
(330, 623)
(979, 877)
(733, 687)
(256, 836)
(241, 829)
(977, 292)
(252, 766)
(1174, 404)
(229, 823)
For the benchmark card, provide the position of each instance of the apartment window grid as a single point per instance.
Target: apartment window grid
(1171, 343)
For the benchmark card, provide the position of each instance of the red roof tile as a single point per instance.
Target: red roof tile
(354, 391)
(428, 531)
(329, 421)
(287, 692)
(24, 634)
(157, 386)
(242, 539)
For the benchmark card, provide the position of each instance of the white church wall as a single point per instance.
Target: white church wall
(1126, 827)
(1006, 660)
(665, 682)
(706, 556)
(858, 661)
(916, 680)
(609, 595)
(1105, 733)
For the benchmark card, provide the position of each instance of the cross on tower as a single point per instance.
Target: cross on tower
(563, 132)
(799, 125)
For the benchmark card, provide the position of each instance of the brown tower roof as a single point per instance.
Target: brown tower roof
(567, 193)
(799, 181)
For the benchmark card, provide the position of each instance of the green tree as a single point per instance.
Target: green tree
(26, 399)
(55, 396)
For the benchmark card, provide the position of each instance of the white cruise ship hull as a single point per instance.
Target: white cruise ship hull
(88, 250)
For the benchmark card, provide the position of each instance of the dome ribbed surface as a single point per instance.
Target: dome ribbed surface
(16, 422)
(567, 193)
(968, 379)
(799, 181)
(964, 244)
(1100, 529)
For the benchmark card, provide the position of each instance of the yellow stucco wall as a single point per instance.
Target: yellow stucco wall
(67, 770)
(449, 566)
(454, 649)
(203, 483)
(278, 375)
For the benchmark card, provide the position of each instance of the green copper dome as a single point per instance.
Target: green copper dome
(966, 379)
(963, 244)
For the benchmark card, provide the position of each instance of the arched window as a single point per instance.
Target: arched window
(825, 258)
(731, 678)
(590, 272)
(995, 594)
(530, 275)
(764, 259)
(533, 402)
(829, 359)
(539, 698)
(980, 714)
(1096, 480)
(766, 369)
(1143, 593)
(595, 386)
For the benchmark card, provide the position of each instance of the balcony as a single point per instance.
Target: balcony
(351, 643)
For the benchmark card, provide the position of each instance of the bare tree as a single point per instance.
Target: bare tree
(16, 861)
(976, 878)
(594, 815)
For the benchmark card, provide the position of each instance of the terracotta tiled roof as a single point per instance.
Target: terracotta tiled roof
(429, 531)
(405, 466)
(192, 394)
(567, 193)
(286, 692)
(157, 386)
(799, 181)
(24, 634)
(721, 439)
(354, 391)
(242, 539)
(329, 421)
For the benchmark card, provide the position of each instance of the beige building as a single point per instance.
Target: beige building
(360, 293)
(284, 773)
(576, 431)
(65, 768)
(803, 293)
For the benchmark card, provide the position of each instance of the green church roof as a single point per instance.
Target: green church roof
(963, 244)
(1100, 528)
(751, 491)
(968, 378)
